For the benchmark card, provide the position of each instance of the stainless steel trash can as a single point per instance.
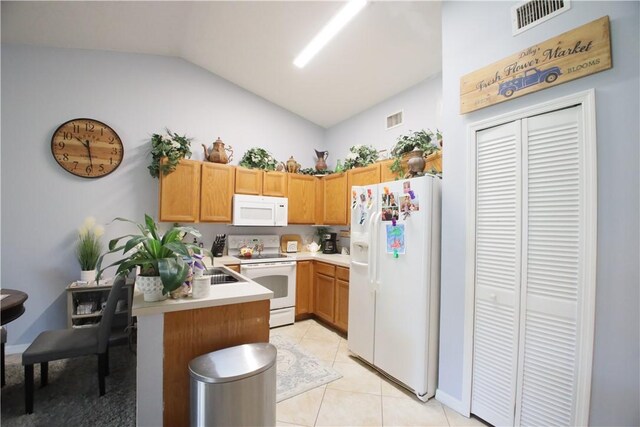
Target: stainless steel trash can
(234, 387)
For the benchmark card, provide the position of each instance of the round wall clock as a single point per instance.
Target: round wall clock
(87, 148)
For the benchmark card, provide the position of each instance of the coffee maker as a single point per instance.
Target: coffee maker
(328, 243)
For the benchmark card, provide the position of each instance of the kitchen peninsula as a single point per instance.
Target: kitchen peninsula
(173, 332)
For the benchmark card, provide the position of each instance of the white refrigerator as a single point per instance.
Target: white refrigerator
(394, 280)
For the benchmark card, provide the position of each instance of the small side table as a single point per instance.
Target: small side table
(12, 306)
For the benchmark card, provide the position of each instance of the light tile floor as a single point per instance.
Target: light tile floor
(362, 397)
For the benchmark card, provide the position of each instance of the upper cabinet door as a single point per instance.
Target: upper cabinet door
(320, 201)
(364, 176)
(249, 181)
(274, 184)
(302, 198)
(335, 199)
(216, 194)
(433, 162)
(385, 172)
(180, 193)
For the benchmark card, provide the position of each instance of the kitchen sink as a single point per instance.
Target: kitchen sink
(220, 276)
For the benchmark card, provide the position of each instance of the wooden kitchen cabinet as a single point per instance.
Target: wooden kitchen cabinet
(342, 304)
(335, 198)
(331, 294)
(234, 267)
(248, 181)
(319, 218)
(216, 194)
(180, 193)
(274, 184)
(324, 296)
(385, 172)
(364, 176)
(302, 198)
(433, 161)
(304, 288)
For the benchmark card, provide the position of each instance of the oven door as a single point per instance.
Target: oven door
(278, 277)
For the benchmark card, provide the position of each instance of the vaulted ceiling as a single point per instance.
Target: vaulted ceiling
(388, 47)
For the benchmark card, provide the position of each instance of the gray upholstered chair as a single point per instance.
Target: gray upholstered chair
(68, 343)
(3, 333)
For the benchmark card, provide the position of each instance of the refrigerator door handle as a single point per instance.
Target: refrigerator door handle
(372, 250)
(376, 279)
(359, 264)
(375, 227)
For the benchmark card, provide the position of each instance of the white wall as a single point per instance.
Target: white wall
(421, 105)
(137, 95)
(476, 34)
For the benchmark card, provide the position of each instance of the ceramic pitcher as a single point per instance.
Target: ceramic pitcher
(218, 153)
(321, 163)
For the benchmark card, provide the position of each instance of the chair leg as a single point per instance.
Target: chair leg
(101, 372)
(28, 388)
(107, 363)
(44, 374)
(2, 374)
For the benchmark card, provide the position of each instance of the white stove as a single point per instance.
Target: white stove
(270, 269)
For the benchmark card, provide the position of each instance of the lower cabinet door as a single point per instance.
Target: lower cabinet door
(303, 287)
(324, 297)
(342, 304)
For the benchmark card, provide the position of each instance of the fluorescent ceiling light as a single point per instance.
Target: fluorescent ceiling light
(332, 28)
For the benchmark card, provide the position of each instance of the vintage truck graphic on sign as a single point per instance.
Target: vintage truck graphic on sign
(531, 77)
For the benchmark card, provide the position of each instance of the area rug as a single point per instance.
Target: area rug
(71, 398)
(298, 371)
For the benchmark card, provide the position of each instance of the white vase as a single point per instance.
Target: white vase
(201, 286)
(151, 288)
(88, 276)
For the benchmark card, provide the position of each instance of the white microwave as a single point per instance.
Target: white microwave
(260, 210)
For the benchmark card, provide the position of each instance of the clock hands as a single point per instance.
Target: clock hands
(88, 147)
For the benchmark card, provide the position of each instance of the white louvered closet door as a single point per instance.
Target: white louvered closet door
(498, 269)
(531, 295)
(553, 225)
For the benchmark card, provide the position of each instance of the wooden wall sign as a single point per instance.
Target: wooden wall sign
(577, 53)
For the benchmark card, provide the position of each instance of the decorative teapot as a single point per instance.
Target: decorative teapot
(218, 153)
(292, 165)
(321, 163)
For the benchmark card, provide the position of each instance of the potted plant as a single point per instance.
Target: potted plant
(258, 158)
(415, 145)
(173, 147)
(88, 248)
(360, 155)
(163, 259)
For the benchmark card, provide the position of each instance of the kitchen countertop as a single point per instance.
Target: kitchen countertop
(224, 260)
(336, 259)
(233, 293)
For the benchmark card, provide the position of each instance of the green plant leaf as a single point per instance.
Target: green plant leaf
(173, 272)
(178, 248)
(151, 226)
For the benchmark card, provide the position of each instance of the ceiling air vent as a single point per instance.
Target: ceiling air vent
(394, 120)
(531, 13)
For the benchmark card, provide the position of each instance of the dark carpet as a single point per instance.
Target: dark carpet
(72, 398)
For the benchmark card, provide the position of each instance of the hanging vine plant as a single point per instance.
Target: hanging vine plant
(359, 156)
(258, 158)
(172, 146)
(421, 140)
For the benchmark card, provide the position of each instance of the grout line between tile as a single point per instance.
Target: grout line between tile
(320, 407)
(446, 417)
